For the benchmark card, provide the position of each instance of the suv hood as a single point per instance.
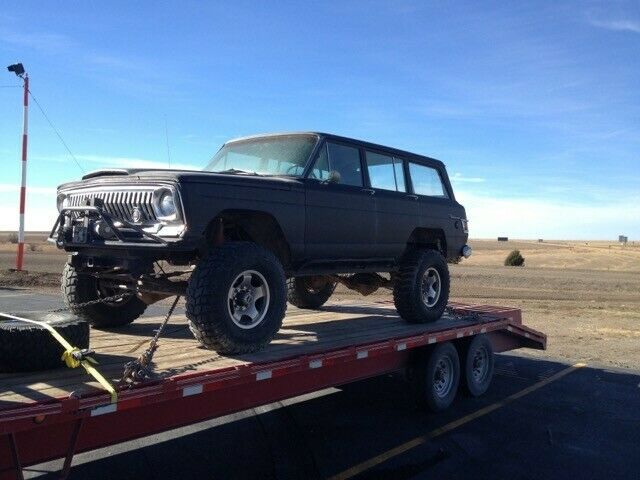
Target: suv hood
(146, 175)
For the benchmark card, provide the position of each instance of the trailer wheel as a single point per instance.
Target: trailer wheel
(25, 347)
(236, 298)
(78, 288)
(309, 292)
(436, 377)
(478, 363)
(421, 288)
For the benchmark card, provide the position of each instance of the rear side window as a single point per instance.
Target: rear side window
(385, 172)
(426, 181)
(343, 161)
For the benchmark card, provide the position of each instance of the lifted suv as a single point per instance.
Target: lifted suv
(271, 218)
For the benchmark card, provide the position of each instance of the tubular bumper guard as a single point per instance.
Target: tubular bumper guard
(62, 232)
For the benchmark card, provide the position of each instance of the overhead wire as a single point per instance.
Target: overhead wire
(56, 132)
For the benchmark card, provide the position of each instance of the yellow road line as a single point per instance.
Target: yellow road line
(400, 449)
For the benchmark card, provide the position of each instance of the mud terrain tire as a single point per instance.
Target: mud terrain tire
(410, 295)
(78, 288)
(210, 298)
(25, 347)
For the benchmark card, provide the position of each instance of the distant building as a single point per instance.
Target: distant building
(503, 239)
(623, 238)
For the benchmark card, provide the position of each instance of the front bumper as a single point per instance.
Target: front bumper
(73, 232)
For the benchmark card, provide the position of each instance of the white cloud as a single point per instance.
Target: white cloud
(6, 187)
(488, 216)
(459, 178)
(542, 218)
(107, 161)
(130, 162)
(39, 215)
(617, 25)
(45, 42)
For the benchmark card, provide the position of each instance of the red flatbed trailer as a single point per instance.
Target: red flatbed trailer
(42, 419)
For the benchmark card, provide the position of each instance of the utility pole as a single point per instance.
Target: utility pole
(18, 69)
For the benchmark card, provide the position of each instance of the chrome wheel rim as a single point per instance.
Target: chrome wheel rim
(430, 287)
(443, 377)
(248, 299)
(480, 364)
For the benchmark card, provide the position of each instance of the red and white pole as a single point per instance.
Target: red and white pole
(23, 185)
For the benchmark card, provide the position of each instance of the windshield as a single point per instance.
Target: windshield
(281, 155)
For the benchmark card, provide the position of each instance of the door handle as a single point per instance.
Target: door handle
(370, 191)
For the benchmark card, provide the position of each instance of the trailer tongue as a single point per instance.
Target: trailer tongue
(55, 414)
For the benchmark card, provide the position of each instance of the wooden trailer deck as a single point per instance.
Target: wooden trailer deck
(304, 333)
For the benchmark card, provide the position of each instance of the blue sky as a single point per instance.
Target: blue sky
(534, 107)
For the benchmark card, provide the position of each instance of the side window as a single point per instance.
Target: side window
(426, 181)
(385, 172)
(344, 163)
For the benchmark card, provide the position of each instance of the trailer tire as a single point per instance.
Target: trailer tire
(478, 362)
(25, 347)
(78, 288)
(421, 270)
(303, 295)
(220, 290)
(436, 377)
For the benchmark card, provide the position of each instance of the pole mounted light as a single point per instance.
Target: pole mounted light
(19, 70)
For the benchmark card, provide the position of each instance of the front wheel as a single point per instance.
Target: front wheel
(421, 288)
(80, 288)
(236, 298)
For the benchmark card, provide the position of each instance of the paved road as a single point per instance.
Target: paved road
(540, 419)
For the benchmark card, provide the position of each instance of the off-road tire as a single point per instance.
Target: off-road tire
(78, 288)
(207, 298)
(471, 385)
(406, 291)
(299, 294)
(423, 373)
(25, 347)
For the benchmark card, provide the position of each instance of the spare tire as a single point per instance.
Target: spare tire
(26, 347)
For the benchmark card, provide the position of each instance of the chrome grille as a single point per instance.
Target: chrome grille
(119, 204)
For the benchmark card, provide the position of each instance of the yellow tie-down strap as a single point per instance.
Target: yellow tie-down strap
(68, 356)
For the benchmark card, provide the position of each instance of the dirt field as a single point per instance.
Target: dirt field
(584, 295)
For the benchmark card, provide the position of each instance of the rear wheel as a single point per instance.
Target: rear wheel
(79, 288)
(309, 292)
(421, 288)
(478, 362)
(236, 298)
(436, 377)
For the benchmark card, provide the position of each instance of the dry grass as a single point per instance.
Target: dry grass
(584, 255)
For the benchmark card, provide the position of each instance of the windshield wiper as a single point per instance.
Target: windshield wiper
(236, 171)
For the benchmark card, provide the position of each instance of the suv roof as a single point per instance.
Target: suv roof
(363, 143)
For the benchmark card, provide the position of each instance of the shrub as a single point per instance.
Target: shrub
(514, 259)
(33, 247)
(12, 237)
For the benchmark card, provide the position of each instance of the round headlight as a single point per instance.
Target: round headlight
(166, 205)
(62, 201)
